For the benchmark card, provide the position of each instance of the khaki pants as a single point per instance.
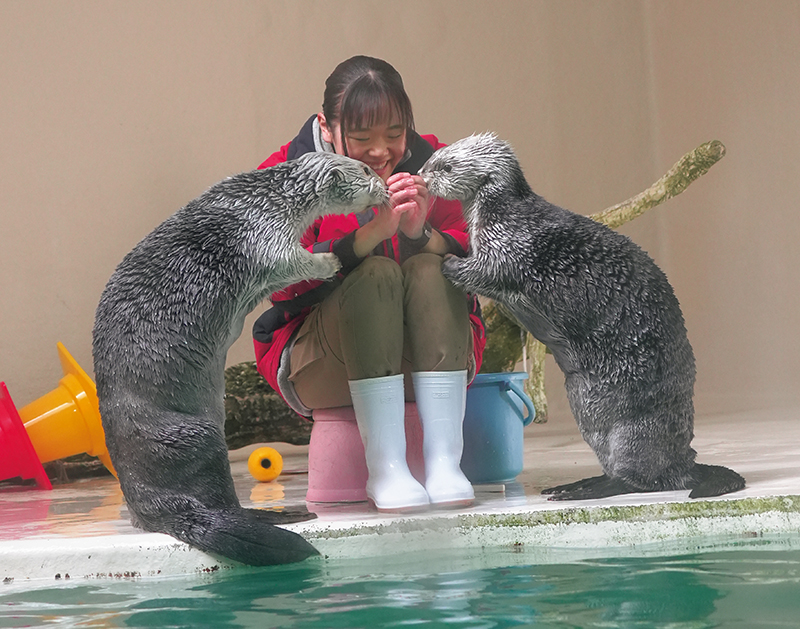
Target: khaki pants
(383, 320)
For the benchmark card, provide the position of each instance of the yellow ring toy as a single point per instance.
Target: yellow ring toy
(265, 464)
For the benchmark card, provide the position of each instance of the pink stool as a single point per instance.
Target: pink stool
(337, 468)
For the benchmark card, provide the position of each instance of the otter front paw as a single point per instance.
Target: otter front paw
(326, 265)
(452, 268)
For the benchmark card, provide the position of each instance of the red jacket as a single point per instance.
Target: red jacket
(336, 233)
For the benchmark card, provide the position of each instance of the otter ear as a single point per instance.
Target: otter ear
(336, 175)
(336, 182)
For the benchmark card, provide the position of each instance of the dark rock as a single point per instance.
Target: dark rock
(255, 413)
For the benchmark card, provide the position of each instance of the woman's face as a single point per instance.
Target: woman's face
(381, 146)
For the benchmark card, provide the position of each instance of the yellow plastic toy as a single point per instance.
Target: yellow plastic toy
(265, 464)
(66, 421)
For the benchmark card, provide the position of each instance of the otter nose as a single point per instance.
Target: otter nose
(377, 186)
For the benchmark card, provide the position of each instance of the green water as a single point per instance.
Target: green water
(748, 583)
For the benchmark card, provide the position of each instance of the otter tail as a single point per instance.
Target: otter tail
(244, 535)
(714, 480)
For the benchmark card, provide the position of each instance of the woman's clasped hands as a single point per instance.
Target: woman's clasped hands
(409, 197)
(406, 213)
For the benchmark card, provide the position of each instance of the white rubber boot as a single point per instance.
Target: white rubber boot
(441, 402)
(379, 405)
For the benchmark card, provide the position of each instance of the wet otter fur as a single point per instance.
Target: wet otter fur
(164, 324)
(600, 304)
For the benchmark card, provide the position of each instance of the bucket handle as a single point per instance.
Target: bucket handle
(509, 385)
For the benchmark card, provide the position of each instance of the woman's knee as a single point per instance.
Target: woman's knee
(423, 269)
(378, 268)
(375, 277)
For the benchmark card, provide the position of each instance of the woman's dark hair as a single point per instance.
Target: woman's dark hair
(361, 91)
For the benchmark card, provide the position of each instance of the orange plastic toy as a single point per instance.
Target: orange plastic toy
(265, 464)
(66, 421)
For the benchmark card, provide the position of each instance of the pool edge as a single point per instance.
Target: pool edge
(593, 530)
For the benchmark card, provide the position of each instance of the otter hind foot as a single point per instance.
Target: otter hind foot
(244, 535)
(590, 488)
(287, 516)
(714, 480)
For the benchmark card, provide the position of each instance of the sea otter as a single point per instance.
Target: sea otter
(164, 324)
(600, 304)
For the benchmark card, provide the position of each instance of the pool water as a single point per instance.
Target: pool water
(747, 583)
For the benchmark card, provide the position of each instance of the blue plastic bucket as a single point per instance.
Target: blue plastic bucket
(493, 423)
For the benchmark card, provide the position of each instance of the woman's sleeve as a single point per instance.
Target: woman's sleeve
(278, 157)
(447, 218)
(327, 234)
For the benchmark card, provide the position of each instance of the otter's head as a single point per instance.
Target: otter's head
(461, 170)
(342, 184)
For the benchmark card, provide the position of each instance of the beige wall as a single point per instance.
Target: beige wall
(115, 114)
